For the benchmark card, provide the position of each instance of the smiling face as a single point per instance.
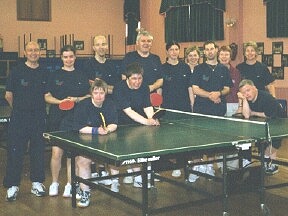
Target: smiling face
(32, 52)
(144, 44)
(68, 58)
(250, 53)
(224, 57)
(135, 81)
(193, 58)
(100, 46)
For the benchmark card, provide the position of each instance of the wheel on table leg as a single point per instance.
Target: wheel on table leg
(153, 190)
(265, 210)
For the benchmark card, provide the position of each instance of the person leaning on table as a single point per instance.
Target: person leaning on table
(258, 103)
(132, 98)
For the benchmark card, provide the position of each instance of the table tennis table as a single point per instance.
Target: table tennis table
(5, 112)
(179, 135)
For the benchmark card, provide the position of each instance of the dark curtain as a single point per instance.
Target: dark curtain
(176, 24)
(166, 5)
(132, 17)
(206, 23)
(277, 18)
(193, 20)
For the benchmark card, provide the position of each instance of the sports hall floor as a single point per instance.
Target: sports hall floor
(101, 205)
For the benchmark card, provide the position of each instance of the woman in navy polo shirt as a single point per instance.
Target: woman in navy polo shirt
(67, 83)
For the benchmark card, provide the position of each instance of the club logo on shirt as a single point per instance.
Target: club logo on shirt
(59, 83)
(24, 83)
(205, 78)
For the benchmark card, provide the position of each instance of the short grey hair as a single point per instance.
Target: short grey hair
(143, 32)
(246, 82)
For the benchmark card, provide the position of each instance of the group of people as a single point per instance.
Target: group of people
(105, 100)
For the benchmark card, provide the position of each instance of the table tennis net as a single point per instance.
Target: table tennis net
(224, 125)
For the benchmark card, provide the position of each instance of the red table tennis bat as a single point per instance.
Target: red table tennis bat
(156, 99)
(66, 105)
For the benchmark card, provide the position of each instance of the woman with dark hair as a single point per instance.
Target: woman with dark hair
(176, 90)
(176, 80)
(65, 84)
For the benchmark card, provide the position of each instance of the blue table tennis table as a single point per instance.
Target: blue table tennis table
(180, 135)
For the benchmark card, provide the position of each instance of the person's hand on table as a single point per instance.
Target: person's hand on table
(153, 122)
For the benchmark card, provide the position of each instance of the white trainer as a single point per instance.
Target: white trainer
(193, 177)
(67, 191)
(115, 186)
(38, 189)
(95, 175)
(105, 181)
(176, 173)
(128, 180)
(53, 189)
(138, 182)
(210, 170)
(12, 193)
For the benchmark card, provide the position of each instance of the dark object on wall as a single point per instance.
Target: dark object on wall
(131, 18)
(278, 73)
(79, 45)
(260, 48)
(51, 53)
(42, 43)
(277, 47)
(267, 60)
(234, 48)
(34, 10)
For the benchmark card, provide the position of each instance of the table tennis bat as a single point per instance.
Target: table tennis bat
(103, 120)
(156, 99)
(159, 113)
(66, 105)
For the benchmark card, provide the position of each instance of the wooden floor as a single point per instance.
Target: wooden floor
(239, 204)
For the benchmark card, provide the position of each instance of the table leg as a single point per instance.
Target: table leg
(225, 182)
(73, 157)
(144, 190)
